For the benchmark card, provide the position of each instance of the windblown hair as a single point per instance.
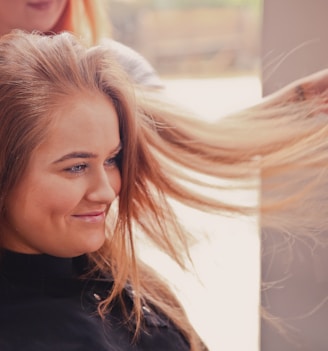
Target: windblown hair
(87, 19)
(166, 154)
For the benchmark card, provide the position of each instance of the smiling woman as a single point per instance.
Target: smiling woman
(69, 150)
(88, 162)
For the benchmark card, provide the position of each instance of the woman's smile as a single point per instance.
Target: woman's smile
(40, 5)
(91, 217)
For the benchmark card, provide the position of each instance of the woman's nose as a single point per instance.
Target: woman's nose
(103, 187)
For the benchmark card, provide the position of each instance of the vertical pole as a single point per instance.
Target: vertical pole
(294, 44)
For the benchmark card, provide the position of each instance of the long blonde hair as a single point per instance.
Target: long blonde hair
(88, 19)
(164, 151)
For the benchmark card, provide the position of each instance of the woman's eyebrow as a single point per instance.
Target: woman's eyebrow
(76, 154)
(87, 155)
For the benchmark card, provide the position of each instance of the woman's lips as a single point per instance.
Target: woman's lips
(93, 217)
(41, 5)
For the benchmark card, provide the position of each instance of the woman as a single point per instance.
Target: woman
(85, 163)
(88, 19)
(66, 282)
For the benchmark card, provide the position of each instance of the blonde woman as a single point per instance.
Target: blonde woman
(86, 160)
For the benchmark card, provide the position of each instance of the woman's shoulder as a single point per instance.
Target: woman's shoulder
(137, 66)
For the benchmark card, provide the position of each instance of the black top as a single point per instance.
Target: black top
(45, 306)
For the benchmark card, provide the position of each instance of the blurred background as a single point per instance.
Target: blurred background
(198, 38)
(192, 43)
(207, 53)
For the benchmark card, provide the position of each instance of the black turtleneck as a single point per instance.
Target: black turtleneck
(39, 266)
(46, 306)
(24, 275)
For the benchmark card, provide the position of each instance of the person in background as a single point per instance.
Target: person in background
(87, 19)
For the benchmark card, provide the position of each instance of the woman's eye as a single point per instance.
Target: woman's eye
(110, 162)
(114, 161)
(77, 168)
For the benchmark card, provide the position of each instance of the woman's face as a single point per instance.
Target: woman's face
(29, 15)
(60, 204)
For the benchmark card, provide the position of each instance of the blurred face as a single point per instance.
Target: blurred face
(60, 204)
(41, 15)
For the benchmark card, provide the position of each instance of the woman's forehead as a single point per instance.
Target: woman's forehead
(83, 123)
